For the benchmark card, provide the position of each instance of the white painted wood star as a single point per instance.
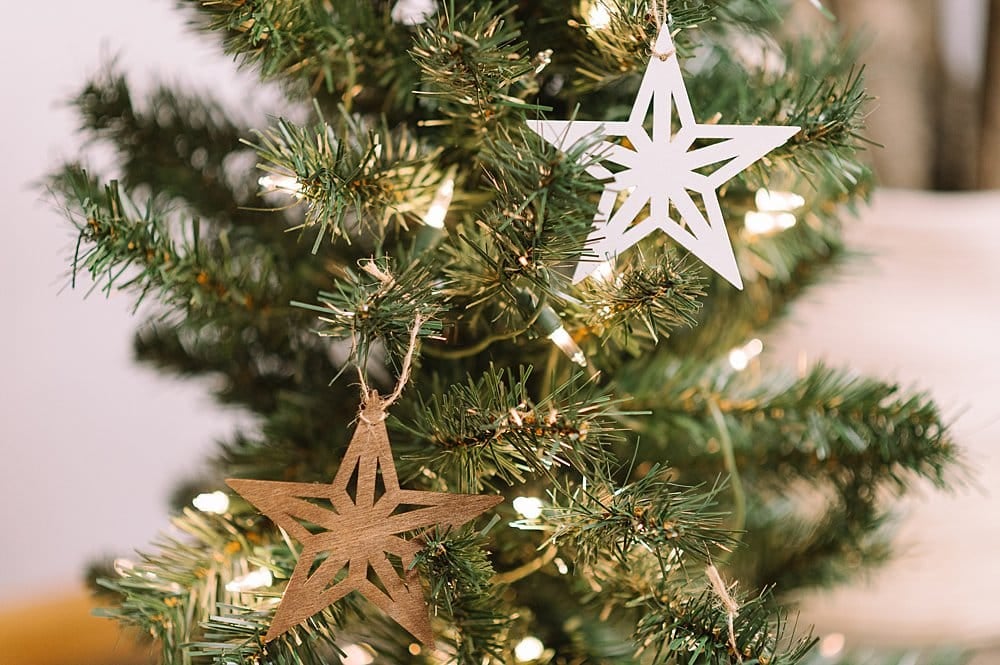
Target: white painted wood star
(663, 168)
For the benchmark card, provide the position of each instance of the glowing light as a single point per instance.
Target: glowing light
(413, 12)
(759, 223)
(255, 579)
(414, 649)
(568, 345)
(281, 183)
(832, 644)
(528, 507)
(771, 201)
(740, 357)
(123, 566)
(212, 502)
(529, 649)
(356, 655)
(439, 206)
(599, 16)
(561, 565)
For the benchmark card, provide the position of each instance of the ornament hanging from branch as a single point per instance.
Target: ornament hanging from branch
(669, 167)
(349, 529)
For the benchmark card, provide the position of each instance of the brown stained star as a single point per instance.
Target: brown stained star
(353, 544)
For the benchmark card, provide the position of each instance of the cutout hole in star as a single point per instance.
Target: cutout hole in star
(644, 213)
(373, 577)
(403, 508)
(397, 564)
(319, 501)
(338, 578)
(379, 484)
(316, 563)
(311, 527)
(352, 482)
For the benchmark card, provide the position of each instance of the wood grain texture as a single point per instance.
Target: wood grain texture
(349, 531)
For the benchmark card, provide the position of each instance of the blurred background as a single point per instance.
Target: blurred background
(93, 445)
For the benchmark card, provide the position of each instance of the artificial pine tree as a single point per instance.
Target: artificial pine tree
(416, 238)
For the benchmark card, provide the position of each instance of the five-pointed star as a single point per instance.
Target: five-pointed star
(345, 541)
(664, 168)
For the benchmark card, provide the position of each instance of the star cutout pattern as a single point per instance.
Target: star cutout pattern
(347, 541)
(664, 168)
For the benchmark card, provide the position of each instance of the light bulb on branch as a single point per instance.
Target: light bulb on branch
(274, 182)
(773, 213)
(433, 220)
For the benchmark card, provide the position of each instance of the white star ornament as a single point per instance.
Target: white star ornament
(663, 168)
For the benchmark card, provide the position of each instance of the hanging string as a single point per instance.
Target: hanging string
(728, 602)
(373, 406)
(660, 12)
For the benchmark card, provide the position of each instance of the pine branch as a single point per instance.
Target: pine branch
(490, 430)
(175, 144)
(351, 51)
(463, 593)
(609, 522)
(473, 71)
(142, 250)
(354, 180)
(695, 629)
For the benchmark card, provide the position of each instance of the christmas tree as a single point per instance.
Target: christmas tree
(532, 246)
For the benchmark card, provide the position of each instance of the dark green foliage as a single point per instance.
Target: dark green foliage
(657, 461)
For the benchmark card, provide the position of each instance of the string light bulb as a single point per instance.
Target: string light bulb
(549, 324)
(212, 502)
(439, 205)
(413, 12)
(356, 655)
(255, 579)
(773, 213)
(528, 507)
(281, 183)
(529, 649)
(599, 15)
(760, 223)
(740, 357)
(768, 200)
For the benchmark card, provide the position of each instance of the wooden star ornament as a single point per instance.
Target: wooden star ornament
(663, 167)
(352, 543)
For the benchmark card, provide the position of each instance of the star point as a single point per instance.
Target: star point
(351, 543)
(663, 167)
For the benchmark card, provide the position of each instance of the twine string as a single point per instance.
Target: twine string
(728, 602)
(660, 12)
(372, 404)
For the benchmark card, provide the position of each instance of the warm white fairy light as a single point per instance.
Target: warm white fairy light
(528, 507)
(831, 645)
(123, 566)
(255, 579)
(439, 205)
(413, 12)
(356, 655)
(281, 183)
(760, 223)
(568, 345)
(599, 16)
(561, 565)
(212, 502)
(740, 357)
(768, 200)
(529, 649)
